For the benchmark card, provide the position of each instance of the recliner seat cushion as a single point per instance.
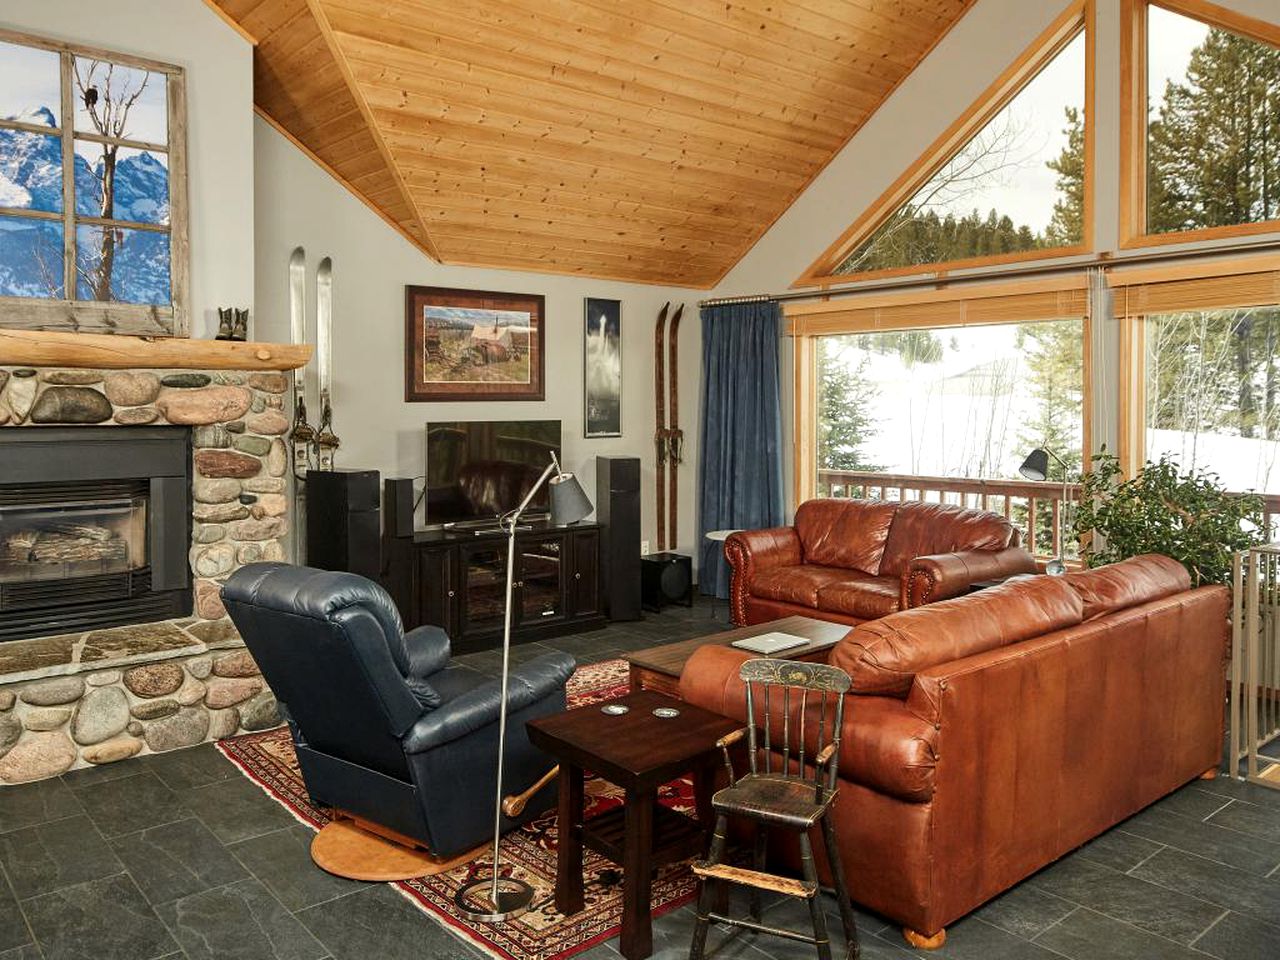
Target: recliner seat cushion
(923, 529)
(863, 596)
(883, 656)
(845, 533)
(798, 584)
(1128, 583)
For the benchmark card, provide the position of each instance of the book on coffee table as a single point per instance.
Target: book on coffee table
(768, 643)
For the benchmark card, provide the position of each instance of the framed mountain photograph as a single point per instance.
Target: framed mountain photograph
(473, 345)
(602, 367)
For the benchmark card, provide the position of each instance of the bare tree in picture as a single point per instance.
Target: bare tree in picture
(107, 97)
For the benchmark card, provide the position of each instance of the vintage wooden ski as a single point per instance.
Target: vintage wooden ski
(302, 435)
(660, 430)
(326, 442)
(675, 436)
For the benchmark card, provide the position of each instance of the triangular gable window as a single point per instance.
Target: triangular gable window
(1006, 182)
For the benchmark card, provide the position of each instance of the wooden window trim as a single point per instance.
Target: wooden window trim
(1080, 16)
(1205, 286)
(1061, 298)
(1133, 118)
(89, 315)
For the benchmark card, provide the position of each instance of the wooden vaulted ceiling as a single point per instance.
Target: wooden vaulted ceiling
(644, 140)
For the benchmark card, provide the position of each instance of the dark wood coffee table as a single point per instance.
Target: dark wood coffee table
(639, 752)
(659, 668)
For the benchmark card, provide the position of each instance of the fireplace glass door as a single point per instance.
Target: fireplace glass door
(66, 539)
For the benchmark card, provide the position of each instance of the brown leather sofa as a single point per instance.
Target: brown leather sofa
(855, 560)
(988, 735)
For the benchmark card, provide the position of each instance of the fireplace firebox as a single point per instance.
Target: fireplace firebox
(95, 528)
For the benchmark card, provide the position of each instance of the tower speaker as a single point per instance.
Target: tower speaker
(618, 512)
(666, 578)
(343, 523)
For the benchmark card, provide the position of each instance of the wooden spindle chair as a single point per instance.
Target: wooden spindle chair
(792, 791)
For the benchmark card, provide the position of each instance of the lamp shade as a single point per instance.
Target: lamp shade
(1036, 466)
(569, 502)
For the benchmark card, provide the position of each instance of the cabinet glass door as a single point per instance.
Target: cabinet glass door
(541, 579)
(484, 585)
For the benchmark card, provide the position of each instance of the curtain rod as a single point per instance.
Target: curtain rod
(943, 279)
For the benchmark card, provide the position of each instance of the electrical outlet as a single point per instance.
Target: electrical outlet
(644, 548)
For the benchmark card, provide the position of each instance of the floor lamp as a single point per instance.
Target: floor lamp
(498, 899)
(1036, 467)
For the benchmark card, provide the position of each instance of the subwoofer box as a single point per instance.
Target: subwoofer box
(665, 579)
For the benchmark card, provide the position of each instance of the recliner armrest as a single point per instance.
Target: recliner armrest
(428, 649)
(475, 709)
(945, 575)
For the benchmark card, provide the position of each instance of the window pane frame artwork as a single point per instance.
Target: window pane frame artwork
(601, 368)
(100, 168)
(473, 345)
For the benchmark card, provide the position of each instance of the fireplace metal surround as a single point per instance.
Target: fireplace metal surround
(57, 465)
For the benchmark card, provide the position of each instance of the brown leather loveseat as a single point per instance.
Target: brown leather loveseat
(988, 735)
(856, 560)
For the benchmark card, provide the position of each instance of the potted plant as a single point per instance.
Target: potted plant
(1186, 516)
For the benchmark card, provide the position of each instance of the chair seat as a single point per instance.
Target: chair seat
(772, 799)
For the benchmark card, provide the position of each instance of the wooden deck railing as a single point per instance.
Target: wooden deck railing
(1022, 501)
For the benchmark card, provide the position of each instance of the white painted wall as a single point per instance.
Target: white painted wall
(219, 70)
(299, 204)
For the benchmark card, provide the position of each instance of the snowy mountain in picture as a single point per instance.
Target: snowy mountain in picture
(31, 250)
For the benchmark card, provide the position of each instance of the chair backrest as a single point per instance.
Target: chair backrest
(331, 647)
(770, 681)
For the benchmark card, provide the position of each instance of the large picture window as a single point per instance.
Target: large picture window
(1009, 181)
(1202, 124)
(92, 190)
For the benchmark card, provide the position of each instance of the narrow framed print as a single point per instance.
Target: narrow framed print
(602, 367)
(473, 345)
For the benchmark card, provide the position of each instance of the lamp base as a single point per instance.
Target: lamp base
(475, 900)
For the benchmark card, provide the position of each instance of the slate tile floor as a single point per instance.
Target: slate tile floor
(178, 857)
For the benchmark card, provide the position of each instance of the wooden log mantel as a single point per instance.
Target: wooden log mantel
(47, 348)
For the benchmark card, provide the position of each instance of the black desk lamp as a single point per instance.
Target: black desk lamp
(1036, 467)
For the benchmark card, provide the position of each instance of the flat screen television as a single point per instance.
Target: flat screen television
(478, 470)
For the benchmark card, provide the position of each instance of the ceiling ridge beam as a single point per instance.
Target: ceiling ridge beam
(424, 240)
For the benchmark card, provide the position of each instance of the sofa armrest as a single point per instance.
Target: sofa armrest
(944, 575)
(530, 682)
(749, 552)
(428, 650)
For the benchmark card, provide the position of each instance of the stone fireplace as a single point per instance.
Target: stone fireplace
(127, 496)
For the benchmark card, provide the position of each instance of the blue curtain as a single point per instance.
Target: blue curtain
(740, 464)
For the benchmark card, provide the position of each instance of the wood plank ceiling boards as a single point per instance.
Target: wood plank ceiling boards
(645, 140)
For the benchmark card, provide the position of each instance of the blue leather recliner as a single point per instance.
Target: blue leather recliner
(384, 728)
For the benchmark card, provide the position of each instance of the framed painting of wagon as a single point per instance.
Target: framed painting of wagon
(473, 345)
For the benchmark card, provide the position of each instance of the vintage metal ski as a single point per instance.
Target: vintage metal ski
(675, 436)
(326, 442)
(660, 431)
(302, 435)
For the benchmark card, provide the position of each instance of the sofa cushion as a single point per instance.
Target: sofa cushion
(798, 584)
(923, 529)
(883, 656)
(860, 595)
(845, 533)
(1128, 583)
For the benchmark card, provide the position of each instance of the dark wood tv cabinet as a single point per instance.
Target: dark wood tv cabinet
(456, 579)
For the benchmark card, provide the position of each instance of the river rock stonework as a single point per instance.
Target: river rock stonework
(150, 688)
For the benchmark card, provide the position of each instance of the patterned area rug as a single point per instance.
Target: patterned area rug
(529, 853)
